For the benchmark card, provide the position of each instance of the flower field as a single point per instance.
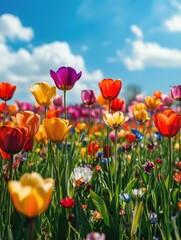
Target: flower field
(99, 170)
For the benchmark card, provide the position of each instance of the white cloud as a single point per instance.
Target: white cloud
(148, 54)
(25, 67)
(12, 28)
(174, 23)
(137, 31)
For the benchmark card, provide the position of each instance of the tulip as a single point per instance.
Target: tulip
(157, 94)
(58, 101)
(93, 148)
(101, 101)
(138, 107)
(167, 99)
(167, 122)
(115, 121)
(67, 202)
(57, 129)
(176, 92)
(53, 113)
(88, 97)
(41, 135)
(31, 195)
(141, 115)
(43, 93)
(28, 119)
(117, 104)
(110, 88)
(65, 78)
(6, 91)
(152, 103)
(12, 139)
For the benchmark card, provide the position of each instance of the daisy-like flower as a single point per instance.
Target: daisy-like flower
(115, 120)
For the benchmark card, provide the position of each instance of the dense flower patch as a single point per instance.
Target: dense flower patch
(103, 169)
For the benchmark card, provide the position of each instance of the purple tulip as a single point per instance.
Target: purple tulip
(57, 101)
(88, 97)
(65, 78)
(176, 92)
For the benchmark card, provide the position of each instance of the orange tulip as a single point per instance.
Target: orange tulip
(6, 91)
(110, 88)
(167, 122)
(28, 119)
(12, 139)
(101, 101)
(158, 94)
(53, 113)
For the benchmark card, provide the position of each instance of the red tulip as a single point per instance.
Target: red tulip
(117, 104)
(6, 91)
(67, 202)
(12, 139)
(93, 148)
(110, 88)
(167, 122)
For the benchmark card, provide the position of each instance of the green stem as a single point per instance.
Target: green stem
(64, 99)
(31, 229)
(170, 175)
(115, 159)
(89, 119)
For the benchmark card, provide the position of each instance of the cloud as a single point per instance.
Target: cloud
(24, 67)
(12, 28)
(174, 24)
(137, 31)
(148, 54)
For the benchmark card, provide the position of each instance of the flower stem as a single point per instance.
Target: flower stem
(31, 229)
(10, 167)
(64, 99)
(115, 159)
(170, 175)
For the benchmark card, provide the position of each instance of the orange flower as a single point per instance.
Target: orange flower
(110, 88)
(158, 94)
(177, 176)
(152, 103)
(130, 137)
(97, 215)
(101, 101)
(12, 139)
(117, 104)
(28, 119)
(179, 205)
(97, 168)
(167, 122)
(93, 148)
(6, 91)
(53, 113)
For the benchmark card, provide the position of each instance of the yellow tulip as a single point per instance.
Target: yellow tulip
(32, 194)
(41, 135)
(152, 103)
(57, 129)
(141, 115)
(115, 120)
(43, 93)
(80, 127)
(138, 107)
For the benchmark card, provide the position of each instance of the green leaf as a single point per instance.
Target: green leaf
(101, 206)
(82, 225)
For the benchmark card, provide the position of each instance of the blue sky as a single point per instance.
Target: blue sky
(137, 41)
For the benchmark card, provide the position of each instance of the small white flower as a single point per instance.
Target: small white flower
(81, 176)
(138, 192)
